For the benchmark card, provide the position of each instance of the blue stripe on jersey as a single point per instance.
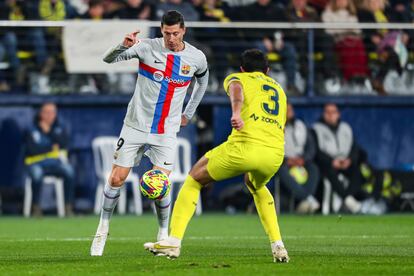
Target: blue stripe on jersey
(146, 74)
(176, 70)
(158, 107)
(162, 95)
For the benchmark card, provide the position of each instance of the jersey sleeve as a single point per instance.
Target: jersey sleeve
(229, 79)
(202, 67)
(120, 52)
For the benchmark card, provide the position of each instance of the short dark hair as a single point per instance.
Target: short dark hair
(253, 60)
(93, 3)
(172, 17)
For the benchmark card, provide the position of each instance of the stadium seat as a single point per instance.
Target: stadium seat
(407, 199)
(103, 151)
(331, 198)
(48, 180)
(182, 166)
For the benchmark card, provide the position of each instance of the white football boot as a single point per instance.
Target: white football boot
(98, 244)
(280, 254)
(163, 248)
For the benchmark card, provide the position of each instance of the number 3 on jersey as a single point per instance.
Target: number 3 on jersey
(272, 106)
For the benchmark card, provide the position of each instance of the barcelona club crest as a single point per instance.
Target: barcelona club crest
(185, 69)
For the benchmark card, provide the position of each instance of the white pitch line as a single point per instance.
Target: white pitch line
(287, 237)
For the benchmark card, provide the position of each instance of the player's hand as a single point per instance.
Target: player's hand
(290, 162)
(300, 161)
(237, 122)
(336, 163)
(346, 163)
(184, 121)
(130, 39)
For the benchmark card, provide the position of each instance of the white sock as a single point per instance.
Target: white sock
(174, 241)
(110, 199)
(277, 243)
(163, 207)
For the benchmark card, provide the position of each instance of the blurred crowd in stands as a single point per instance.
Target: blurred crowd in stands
(346, 61)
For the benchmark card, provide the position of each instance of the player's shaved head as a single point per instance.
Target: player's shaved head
(254, 60)
(171, 18)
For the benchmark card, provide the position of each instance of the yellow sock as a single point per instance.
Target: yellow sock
(265, 206)
(184, 207)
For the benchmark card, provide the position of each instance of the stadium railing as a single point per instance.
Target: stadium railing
(303, 58)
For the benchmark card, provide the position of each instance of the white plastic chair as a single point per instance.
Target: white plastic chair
(103, 151)
(332, 198)
(182, 167)
(57, 182)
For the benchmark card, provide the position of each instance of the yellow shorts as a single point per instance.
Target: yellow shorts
(234, 158)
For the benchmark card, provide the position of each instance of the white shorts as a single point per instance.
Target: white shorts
(132, 144)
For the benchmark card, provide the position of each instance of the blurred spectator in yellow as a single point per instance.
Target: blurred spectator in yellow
(214, 10)
(53, 10)
(219, 48)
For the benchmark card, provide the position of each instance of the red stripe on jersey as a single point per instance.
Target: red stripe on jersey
(170, 93)
(147, 67)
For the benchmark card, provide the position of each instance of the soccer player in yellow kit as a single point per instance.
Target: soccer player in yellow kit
(255, 148)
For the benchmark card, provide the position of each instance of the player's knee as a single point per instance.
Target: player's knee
(249, 184)
(116, 180)
(201, 175)
(195, 174)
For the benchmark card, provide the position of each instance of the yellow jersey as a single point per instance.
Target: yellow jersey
(263, 110)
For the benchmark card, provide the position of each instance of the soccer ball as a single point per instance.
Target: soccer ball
(300, 174)
(155, 184)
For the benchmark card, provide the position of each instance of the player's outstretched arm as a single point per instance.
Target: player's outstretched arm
(123, 51)
(236, 99)
(196, 97)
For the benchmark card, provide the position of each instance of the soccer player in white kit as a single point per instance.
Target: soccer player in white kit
(154, 116)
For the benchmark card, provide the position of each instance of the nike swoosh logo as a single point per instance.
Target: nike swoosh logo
(159, 246)
(165, 163)
(157, 61)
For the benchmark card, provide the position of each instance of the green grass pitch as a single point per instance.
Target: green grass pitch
(214, 245)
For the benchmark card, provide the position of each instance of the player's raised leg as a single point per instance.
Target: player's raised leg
(184, 209)
(163, 207)
(265, 206)
(110, 199)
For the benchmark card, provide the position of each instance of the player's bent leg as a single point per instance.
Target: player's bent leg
(110, 199)
(188, 196)
(184, 209)
(162, 207)
(265, 206)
